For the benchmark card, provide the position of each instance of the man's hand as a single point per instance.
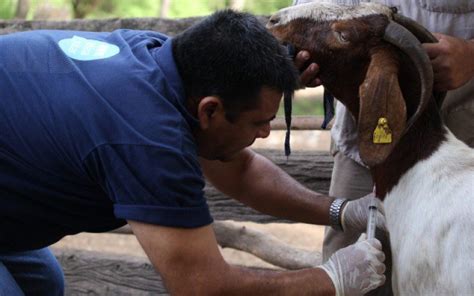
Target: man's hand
(309, 73)
(452, 60)
(356, 212)
(358, 268)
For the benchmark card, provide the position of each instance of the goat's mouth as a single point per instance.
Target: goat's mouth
(290, 49)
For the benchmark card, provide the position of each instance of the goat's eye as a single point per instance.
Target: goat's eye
(345, 36)
(274, 20)
(342, 37)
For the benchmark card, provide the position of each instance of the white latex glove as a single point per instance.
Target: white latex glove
(356, 212)
(358, 268)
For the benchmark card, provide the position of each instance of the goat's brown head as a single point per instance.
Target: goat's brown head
(369, 59)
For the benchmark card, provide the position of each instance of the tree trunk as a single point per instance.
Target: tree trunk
(237, 4)
(164, 9)
(22, 8)
(81, 8)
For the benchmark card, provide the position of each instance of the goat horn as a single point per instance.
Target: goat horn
(403, 39)
(424, 36)
(420, 32)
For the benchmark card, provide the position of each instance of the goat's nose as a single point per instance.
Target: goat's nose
(273, 21)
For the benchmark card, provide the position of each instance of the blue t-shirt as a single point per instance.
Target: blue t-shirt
(93, 131)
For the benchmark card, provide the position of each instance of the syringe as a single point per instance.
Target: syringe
(372, 219)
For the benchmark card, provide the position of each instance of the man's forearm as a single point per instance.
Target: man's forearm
(233, 280)
(244, 281)
(260, 184)
(274, 192)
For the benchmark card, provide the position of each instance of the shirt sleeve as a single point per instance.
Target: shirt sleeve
(151, 184)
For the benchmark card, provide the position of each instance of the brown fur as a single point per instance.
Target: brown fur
(367, 71)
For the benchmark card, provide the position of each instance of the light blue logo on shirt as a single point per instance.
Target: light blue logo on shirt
(83, 49)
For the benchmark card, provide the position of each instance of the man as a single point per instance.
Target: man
(100, 129)
(453, 66)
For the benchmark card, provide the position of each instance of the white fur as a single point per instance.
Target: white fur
(325, 11)
(430, 212)
(430, 217)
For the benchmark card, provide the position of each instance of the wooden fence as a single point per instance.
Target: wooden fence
(98, 273)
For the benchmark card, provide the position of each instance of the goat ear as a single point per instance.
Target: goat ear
(380, 97)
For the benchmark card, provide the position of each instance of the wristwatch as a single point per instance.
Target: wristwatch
(335, 213)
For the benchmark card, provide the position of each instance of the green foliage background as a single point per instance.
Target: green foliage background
(7, 8)
(144, 8)
(182, 8)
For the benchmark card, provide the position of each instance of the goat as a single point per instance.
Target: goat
(371, 59)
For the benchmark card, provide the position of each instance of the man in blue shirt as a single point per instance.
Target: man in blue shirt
(103, 129)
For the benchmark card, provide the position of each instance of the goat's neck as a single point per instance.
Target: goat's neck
(420, 142)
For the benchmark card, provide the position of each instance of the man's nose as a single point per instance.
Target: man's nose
(264, 131)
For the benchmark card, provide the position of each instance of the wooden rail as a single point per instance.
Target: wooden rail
(104, 274)
(299, 122)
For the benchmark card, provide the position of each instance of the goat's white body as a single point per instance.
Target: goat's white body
(430, 212)
(430, 216)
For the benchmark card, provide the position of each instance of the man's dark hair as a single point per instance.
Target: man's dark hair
(231, 55)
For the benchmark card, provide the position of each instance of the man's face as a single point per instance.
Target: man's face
(222, 139)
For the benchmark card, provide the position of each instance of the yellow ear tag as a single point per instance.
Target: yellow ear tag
(382, 133)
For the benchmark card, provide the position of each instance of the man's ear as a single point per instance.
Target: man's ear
(209, 108)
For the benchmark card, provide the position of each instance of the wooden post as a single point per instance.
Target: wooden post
(22, 8)
(164, 8)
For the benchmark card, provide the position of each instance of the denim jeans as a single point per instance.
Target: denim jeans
(35, 273)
